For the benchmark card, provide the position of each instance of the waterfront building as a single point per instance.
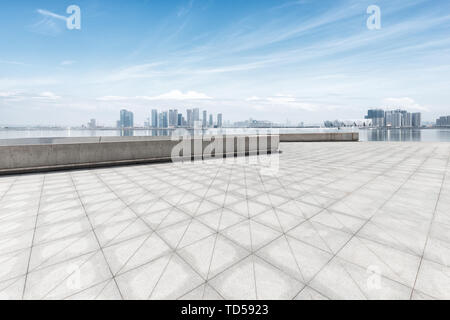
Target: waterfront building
(205, 119)
(155, 119)
(126, 119)
(189, 118)
(443, 121)
(165, 119)
(219, 120)
(173, 117)
(211, 121)
(416, 120)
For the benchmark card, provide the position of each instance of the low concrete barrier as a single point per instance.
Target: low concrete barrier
(319, 137)
(48, 154)
(96, 152)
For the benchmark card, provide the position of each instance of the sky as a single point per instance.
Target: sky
(279, 60)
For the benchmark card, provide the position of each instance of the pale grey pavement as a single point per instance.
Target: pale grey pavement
(336, 221)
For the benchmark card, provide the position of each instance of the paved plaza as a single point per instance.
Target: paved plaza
(326, 221)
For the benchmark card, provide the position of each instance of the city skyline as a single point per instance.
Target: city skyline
(270, 60)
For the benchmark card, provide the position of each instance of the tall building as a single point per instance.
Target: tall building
(161, 120)
(397, 120)
(416, 120)
(443, 121)
(165, 119)
(375, 113)
(189, 118)
(377, 117)
(219, 120)
(196, 114)
(205, 119)
(407, 120)
(180, 120)
(173, 117)
(155, 119)
(211, 121)
(126, 119)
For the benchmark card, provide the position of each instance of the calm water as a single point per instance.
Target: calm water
(425, 135)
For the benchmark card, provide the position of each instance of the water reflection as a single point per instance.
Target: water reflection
(394, 135)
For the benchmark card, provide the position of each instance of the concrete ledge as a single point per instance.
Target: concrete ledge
(80, 153)
(319, 137)
(89, 154)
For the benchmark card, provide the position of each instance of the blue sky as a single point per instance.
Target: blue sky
(301, 60)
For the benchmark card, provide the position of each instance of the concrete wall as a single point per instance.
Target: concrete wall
(319, 137)
(70, 155)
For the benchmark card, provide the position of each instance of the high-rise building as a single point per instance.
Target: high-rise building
(377, 117)
(155, 119)
(196, 114)
(126, 119)
(165, 119)
(160, 120)
(407, 120)
(173, 117)
(443, 121)
(211, 121)
(180, 120)
(219, 120)
(375, 113)
(397, 120)
(189, 118)
(416, 120)
(205, 119)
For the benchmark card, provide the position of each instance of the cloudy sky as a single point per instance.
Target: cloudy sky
(301, 60)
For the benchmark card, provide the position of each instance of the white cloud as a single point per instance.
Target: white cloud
(12, 62)
(178, 95)
(405, 103)
(47, 96)
(172, 95)
(51, 14)
(67, 62)
(7, 94)
(281, 100)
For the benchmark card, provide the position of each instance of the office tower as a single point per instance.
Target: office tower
(173, 117)
(189, 118)
(219, 120)
(377, 117)
(388, 118)
(397, 120)
(161, 120)
(375, 113)
(205, 119)
(155, 119)
(196, 114)
(211, 121)
(165, 119)
(416, 120)
(126, 119)
(407, 120)
(180, 120)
